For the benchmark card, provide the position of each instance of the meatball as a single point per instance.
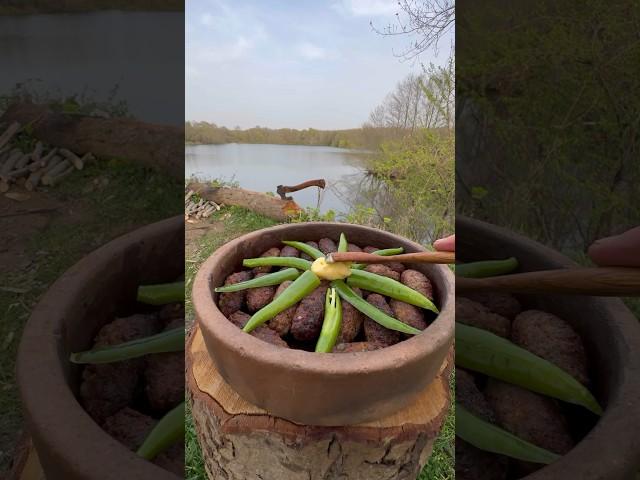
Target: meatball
(307, 321)
(409, 314)
(327, 246)
(259, 297)
(164, 377)
(384, 270)
(477, 315)
(272, 252)
(351, 247)
(501, 303)
(232, 302)
(553, 339)
(417, 281)
(281, 323)
(532, 417)
(107, 388)
(288, 251)
(129, 427)
(264, 333)
(396, 267)
(352, 321)
(356, 347)
(311, 244)
(374, 332)
(471, 462)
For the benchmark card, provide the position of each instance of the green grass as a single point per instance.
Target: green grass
(101, 202)
(238, 221)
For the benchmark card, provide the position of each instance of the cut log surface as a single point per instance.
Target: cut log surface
(156, 146)
(266, 205)
(240, 441)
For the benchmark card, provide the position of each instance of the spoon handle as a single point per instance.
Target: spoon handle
(602, 281)
(419, 257)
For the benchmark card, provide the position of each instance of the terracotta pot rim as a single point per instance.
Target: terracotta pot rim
(341, 364)
(60, 424)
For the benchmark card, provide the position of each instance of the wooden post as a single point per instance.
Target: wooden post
(240, 441)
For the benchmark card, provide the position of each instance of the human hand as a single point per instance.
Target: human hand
(617, 251)
(447, 244)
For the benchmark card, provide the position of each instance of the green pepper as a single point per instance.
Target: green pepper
(161, 294)
(484, 352)
(275, 278)
(331, 323)
(384, 253)
(486, 436)
(300, 288)
(291, 262)
(169, 430)
(168, 341)
(304, 248)
(390, 288)
(486, 268)
(343, 246)
(370, 311)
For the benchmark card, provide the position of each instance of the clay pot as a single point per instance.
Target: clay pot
(312, 388)
(70, 445)
(611, 449)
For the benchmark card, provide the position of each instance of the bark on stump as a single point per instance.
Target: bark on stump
(240, 441)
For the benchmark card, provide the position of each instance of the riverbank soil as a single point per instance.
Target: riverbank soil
(45, 232)
(202, 238)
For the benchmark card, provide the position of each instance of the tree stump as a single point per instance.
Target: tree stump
(240, 441)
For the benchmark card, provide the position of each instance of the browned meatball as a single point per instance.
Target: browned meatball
(503, 304)
(418, 281)
(553, 339)
(164, 376)
(373, 331)
(311, 244)
(471, 462)
(232, 302)
(370, 249)
(327, 246)
(170, 312)
(532, 417)
(381, 269)
(281, 323)
(288, 251)
(352, 247)
(356, 347)
(264, 333)
(352, 321)
(396, 267)
(107, 388)
(409, 314)
(477, 315)
(307, 321)
(129, 427)
(272, 252)
(259, 297)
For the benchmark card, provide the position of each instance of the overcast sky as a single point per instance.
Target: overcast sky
(294, 64)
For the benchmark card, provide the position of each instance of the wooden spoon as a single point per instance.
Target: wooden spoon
(600, 281)
(420, 257)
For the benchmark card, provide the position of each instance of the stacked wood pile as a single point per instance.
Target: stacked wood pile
(196, 207)
(43, 166)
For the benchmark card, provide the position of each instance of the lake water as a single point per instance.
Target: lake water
(263, 167)
(95, 53)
